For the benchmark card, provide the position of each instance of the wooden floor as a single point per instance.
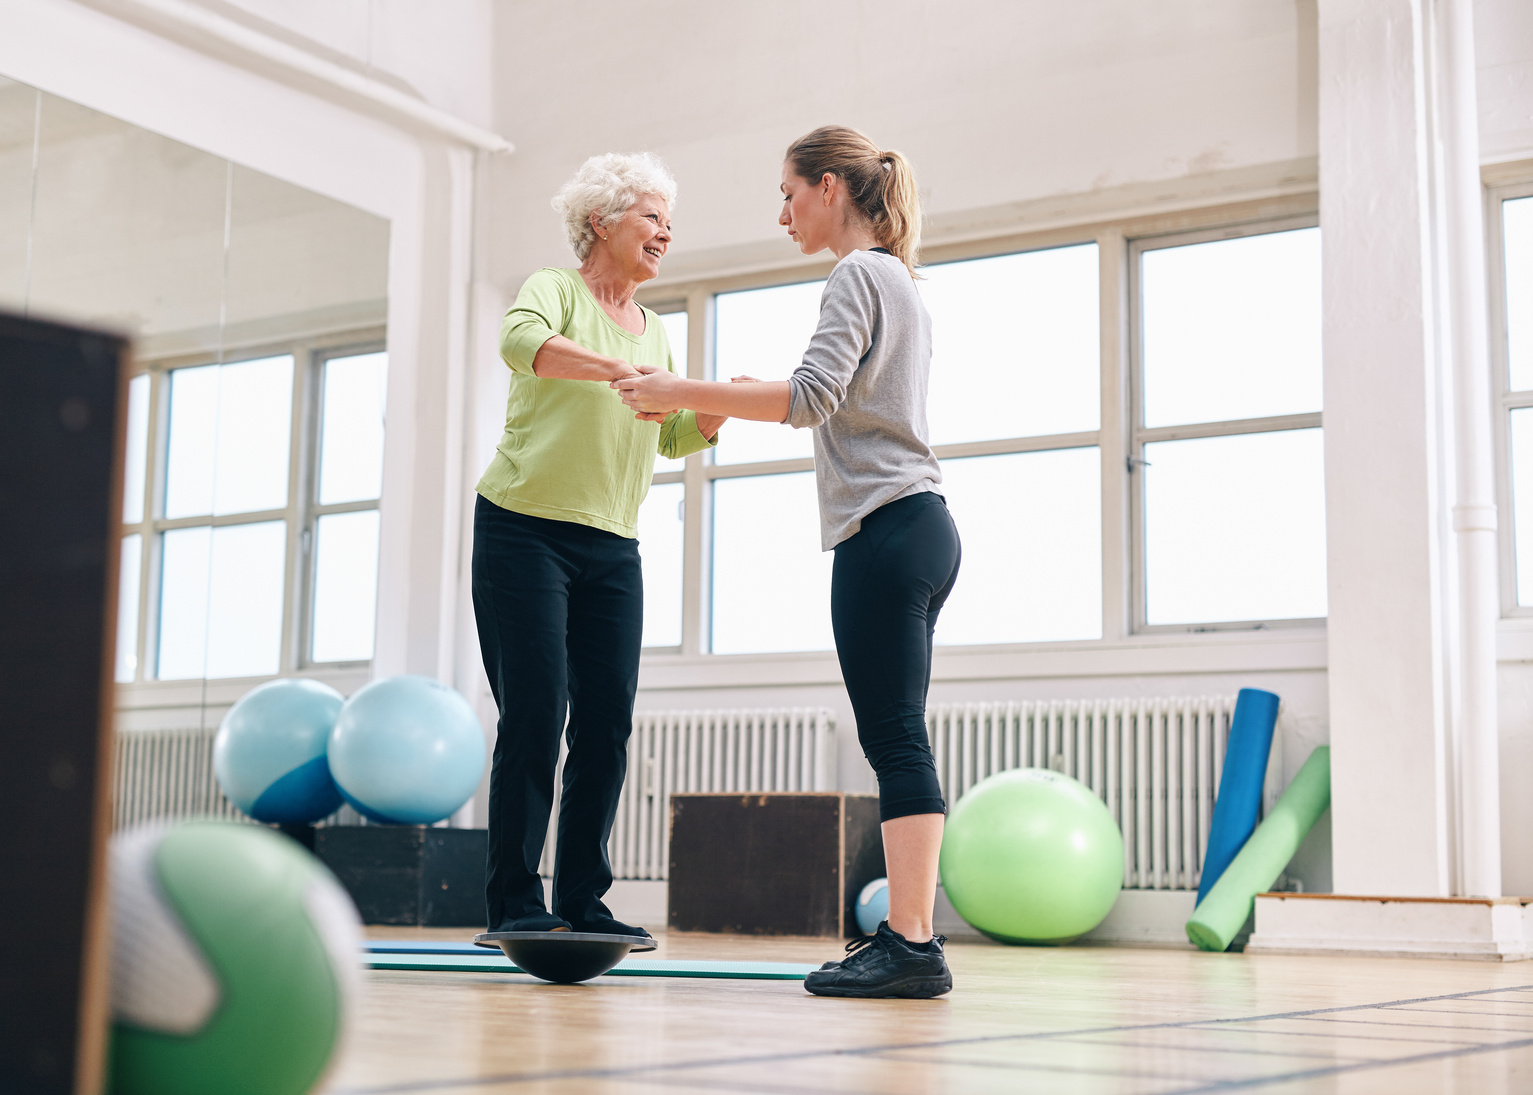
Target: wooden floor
(1078, 1020)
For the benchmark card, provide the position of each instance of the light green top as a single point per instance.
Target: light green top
(572, 451)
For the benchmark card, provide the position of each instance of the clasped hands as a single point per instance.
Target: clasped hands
(653, 392)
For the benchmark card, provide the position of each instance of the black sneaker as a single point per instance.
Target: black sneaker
(606, 925)
(534, 922)
(884, 964)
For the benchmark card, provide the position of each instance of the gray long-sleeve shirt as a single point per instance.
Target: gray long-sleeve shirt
(862, 387)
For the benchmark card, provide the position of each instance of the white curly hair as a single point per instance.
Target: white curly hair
(608, 185)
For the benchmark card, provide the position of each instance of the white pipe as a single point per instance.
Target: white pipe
(1474, 510)
(252, 45)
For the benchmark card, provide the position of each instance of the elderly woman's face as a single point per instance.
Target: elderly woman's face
(638, 239)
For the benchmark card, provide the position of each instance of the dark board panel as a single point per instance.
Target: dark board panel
(766, 864)
(864, 852)
(452, 878)
(408, 874)
(60, 405)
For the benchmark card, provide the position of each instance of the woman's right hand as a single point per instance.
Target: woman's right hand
(653, 390)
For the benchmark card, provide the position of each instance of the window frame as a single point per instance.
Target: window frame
(671, 306)
(1141, 435)
(301, 513)
(1506, 399)
(1117, 437)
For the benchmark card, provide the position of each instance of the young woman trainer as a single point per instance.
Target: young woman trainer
(862, 389)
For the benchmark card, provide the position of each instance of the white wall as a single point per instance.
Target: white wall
(995, 103)
(1504, 56)
(437, 50)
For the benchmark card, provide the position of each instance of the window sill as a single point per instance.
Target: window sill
(1514, 639)
(1284, 649)
(167, 695)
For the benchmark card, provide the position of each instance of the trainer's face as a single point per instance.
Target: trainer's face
(807, 210)
(639, 238)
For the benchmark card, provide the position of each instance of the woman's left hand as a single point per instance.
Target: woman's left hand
(654, 391)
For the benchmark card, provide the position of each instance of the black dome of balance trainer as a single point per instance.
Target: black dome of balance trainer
(564, 957)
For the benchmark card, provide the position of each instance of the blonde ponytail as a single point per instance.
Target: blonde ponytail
(880, 184)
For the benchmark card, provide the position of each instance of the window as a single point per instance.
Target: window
(1014, 411)
(1231, 497)
(770, 581)
(248, 556)
(662, 519)
(1013, 414)
(1512, 348)
(1129, 426)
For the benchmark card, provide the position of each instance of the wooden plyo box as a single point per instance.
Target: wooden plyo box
(62, 401)
(408, 874)
(789, 863)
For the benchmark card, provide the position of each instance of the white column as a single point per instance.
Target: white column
(430, 275)
(1411, 546)
(1474, 509)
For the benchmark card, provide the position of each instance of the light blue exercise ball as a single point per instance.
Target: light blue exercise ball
(873, 905)
(269, 753)
(406, 751)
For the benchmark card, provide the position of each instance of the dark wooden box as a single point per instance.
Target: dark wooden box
(408, 874)
(788, 863)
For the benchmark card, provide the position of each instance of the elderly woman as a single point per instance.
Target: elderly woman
(558, 591)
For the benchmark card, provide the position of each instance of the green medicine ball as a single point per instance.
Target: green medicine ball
(1032, 856)
(234, 962)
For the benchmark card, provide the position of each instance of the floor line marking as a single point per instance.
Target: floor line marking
(410, 1087)
(1317, 1073)
(1355, 1037)
(1404, 1026)
(1450, 1011)
(1090, 1040)
(1036, 1066)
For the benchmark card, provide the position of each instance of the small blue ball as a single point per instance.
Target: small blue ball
(269, 753)
(873, 905)
(407, 751)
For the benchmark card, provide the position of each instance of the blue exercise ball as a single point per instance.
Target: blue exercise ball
(406, 751)
(269, 753)
(873, 905)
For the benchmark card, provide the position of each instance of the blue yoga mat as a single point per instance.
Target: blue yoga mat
(1240, 785)
(486, 961)
(410, 946)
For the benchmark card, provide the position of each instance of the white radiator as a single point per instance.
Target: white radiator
(168, 774)
(783, 749)
(161, 775)
(1154, 762)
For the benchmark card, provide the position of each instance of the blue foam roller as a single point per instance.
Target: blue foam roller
(1240, 785)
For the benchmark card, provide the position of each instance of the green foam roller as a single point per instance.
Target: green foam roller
(1221, 915)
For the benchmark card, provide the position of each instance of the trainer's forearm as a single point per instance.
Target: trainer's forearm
(763, 401)
(561, 359)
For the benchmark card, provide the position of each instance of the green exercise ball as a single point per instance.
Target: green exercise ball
(1032, 856)
(234, 962)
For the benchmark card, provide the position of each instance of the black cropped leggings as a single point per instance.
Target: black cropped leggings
(889, 582)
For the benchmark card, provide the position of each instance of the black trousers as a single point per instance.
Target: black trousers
(889, 582)
(560, 612)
